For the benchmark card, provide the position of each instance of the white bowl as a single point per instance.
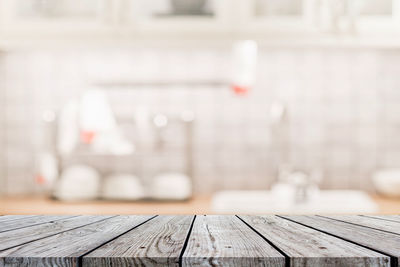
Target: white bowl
(78, 182)
(171, 186)
(122, 187)
(387, 182)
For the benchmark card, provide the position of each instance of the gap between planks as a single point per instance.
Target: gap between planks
(392, 218)
(181, 258)
(186, 242)
(394, 262)
(55, 233)
(287, 258)
(59, 250)
(27, 222)
(80, 258)
(308, 246)
(189, 233)
(159, 242)
(228, 241)
(363, 224)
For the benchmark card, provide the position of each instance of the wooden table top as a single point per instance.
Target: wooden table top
(199, 240)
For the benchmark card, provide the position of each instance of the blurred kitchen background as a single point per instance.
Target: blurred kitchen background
(199, 106)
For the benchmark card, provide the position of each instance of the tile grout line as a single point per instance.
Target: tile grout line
(393, 259)
(80, 258)
(287, 257)
(185, 244)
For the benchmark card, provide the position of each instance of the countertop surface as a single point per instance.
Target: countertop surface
(197, 205)
(199, 240)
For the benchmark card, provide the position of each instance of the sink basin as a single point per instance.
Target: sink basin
(265, 202)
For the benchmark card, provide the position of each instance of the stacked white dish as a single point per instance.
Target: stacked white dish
(78, 182)
(81, 182)
(171, 186)
(122, 187)
(387, 182)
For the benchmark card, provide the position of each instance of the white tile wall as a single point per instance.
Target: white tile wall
(2, 129)
(344, 109)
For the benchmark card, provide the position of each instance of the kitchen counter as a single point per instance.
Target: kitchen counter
(44, 205)
(200, 240)
(196, 205)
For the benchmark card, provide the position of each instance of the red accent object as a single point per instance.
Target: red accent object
(240, 90)
(87, 136)
(40, 179)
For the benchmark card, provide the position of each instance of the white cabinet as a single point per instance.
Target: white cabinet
(273, 16)
(377, 16)
(55, 16)
(355, 16)
(321, 16)
(230, 19)
(175, 16)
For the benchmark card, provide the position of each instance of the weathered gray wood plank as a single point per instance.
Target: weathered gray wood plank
(158, 242)
(383, 242)
(6, 218)
(308, 247)
(393, 218)
(385, 225)
(28, 221)
(20, 236)
(227, 241)
(64, 249)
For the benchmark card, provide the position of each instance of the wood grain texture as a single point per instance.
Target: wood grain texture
(383, 242)
(28, 221)
(384, 225)
(158, 242)
(21, 236)
(64, 249)
(308, 247)
(6, 218)
(392, 218)
(227, 241)
(206, 241)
